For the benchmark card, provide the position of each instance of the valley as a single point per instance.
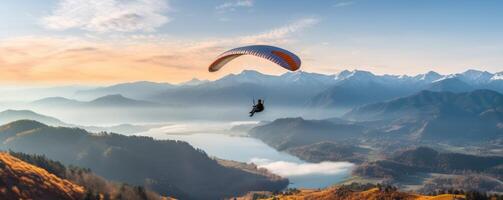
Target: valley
(416, 140)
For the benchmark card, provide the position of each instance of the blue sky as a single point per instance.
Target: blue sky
(385, 36)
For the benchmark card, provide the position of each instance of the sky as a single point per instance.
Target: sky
(111, 41)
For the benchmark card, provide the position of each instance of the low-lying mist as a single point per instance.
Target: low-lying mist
(289, 169)
(103, 116)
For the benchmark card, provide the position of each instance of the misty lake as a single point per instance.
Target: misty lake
(246, 149)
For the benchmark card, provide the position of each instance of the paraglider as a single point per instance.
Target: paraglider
(281, 57)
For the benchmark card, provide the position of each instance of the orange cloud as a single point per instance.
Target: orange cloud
(84, 60)
(77, 61)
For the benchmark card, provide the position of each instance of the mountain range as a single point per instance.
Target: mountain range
(292, 94)
(138, 89)
(110, 100)
(10, 115)
(344, 89)
(427, 117)
(475, 115)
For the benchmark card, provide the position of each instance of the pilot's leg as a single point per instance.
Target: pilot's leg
(252, 112)
(253, 109)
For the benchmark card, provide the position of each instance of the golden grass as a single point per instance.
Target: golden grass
(373, 194)
(441, 197)
(26, 181)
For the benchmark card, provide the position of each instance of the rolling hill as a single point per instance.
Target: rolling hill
(438, 115)
(432, 170)
(117, 100)
(7, 116)
(294, 132)
(161, 165)
(137, 90)
(56, 102)
(110, 101)
(430, 103)
(93, 185)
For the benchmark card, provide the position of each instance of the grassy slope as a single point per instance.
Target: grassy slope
(20, 180)
(372, 194)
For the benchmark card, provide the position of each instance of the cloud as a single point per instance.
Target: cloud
(343, 4)
(232, 5)
(139, 56)
(289, 169)
(280, 33)
(108, 15)
(82, 49)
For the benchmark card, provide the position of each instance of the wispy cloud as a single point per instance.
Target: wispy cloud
(280, 33)
(339, 4)
(108, 15)
(232, 5)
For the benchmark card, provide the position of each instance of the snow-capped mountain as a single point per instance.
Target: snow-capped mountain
(475, 77)
(355, 75)
(246, 76)
(307, 78)
(497, 76)
(346, 88)
(428, 77)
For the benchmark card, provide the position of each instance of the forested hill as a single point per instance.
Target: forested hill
(167, 167)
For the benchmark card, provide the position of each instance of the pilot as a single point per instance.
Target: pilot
(257, 108)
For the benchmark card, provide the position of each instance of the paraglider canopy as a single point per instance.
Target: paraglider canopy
(282, 57)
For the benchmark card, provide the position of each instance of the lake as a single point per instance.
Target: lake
(246, 149)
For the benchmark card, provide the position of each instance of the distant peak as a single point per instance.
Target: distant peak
(55, 98)
(476, 73)
(194, 81)
(355, 74)
(25, 123)
(114, 96)
(473, 71)
(476, 76)
(344, 72)
(111, 96)
(246, 72)
(301, 73)
(17, 111)
(430, 76)
(432, 73)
